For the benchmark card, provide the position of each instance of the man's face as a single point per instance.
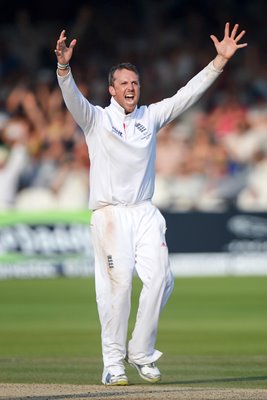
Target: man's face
(126, 89)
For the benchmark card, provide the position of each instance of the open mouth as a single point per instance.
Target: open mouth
(129, 98)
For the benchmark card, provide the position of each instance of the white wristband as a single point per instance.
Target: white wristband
(63, 66)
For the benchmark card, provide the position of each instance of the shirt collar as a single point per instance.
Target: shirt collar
(115, 105)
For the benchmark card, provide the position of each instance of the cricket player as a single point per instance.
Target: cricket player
(128, 231)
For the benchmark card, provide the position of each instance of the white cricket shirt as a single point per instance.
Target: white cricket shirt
(122, 148)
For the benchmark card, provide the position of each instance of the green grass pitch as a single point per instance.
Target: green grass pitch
(213, 332)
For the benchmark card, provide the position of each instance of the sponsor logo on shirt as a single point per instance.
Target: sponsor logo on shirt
(115, 130)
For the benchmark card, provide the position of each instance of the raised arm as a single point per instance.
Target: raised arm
(64, 53)
(227, 47)
(168, 109)
(83, 112)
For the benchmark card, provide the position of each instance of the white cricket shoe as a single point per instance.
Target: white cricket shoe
(115, 380)
(149, 372)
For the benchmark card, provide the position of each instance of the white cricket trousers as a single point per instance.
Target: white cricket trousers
(127, 238)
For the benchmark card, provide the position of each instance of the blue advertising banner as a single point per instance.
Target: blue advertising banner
(216, 232)
(230, 243)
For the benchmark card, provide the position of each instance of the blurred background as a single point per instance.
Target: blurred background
(211, 162)
(211, 186)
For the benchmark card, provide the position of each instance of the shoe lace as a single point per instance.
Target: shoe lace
(151, 365)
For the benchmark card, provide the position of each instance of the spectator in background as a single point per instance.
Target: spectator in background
(28, 87)
(71, 184)
(13, 158)
(52, 140)
(245, 141)
(61, 181)
(172, 150)
(226, 116)
(254, 196)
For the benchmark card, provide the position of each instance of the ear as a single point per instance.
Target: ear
(112, 91)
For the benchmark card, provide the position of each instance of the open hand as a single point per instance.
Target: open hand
(228, 46)
(63, 52)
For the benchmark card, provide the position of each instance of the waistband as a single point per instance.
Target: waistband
(125, 205)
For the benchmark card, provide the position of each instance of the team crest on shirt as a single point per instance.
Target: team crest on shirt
(110, 261)
(143, 130)
(141, 127)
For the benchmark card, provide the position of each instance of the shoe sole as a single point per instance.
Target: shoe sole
(120, 383)
(151, 380)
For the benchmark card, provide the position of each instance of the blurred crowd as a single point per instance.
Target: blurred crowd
(212, 158)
